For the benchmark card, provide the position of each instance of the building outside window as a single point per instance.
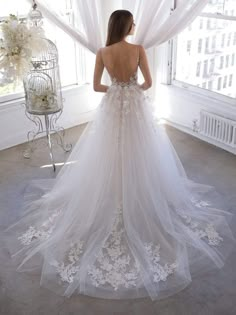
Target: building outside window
(219, 83)
(225, 82)
(217, 57)
(199, 45)
(232, 59)
(230, 79)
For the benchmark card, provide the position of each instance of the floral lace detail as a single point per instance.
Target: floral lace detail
(209, 232)
(41, 234)
(68, 271)
(113, 264)
(160, 273)
(132, 81)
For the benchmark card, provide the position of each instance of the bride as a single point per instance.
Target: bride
(121, 219)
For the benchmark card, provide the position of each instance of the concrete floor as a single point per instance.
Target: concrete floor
(213, 294)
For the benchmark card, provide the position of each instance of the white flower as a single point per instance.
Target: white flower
(44, 101)
(17, 46)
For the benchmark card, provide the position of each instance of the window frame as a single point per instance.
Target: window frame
(196, 89)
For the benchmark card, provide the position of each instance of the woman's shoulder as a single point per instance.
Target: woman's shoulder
(103, 49)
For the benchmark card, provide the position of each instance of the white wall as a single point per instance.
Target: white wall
(79, 105)
(180, 106)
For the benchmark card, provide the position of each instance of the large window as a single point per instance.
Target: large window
(75, 61)
(208, 64)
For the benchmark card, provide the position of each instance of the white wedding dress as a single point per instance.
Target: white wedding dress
(121, 219)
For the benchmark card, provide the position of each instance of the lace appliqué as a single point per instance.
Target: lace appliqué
(160, 273)
(208, 232)
(67, 271)
(41, 234)
(132, 81)
(115, 266)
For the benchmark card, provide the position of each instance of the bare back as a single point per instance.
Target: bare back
(121, 60)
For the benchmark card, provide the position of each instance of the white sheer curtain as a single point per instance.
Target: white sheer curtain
(155, 25)
(87, 14)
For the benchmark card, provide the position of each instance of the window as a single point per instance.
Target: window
(199, 46)
(230, 79)
(215, 53)
(198, 69)
(232, 60)
(205, 68)
(227, 61)
(207, 45)
(225, 82)
(189, 43)
(219, 83)
(74, 60)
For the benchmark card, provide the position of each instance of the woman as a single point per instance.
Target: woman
(121, 220)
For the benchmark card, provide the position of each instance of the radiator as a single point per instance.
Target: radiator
(218, 128)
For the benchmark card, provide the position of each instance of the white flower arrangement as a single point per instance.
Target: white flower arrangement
(18, 45)
(47, 100)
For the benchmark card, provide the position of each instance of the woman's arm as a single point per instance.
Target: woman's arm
(143, 64)
(98, 70)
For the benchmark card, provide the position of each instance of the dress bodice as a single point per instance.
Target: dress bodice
(132, 81)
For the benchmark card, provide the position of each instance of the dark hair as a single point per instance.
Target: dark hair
(119, 25)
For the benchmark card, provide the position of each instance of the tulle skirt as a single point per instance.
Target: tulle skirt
(121, 219)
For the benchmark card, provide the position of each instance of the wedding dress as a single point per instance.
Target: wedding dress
(121, 219)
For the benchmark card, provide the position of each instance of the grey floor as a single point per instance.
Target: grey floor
(213, 294)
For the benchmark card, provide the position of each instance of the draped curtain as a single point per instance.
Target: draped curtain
(155, 21)
(86, 28)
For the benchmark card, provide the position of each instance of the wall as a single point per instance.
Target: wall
(79, 105)
(179, 106)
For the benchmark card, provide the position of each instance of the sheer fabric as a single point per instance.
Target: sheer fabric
(86, 28)
(155, 23)
(121, 219)
(158, 21)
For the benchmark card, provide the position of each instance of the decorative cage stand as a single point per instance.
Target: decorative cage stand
(43, 94)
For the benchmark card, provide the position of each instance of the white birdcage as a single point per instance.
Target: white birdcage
(43, 96)
(42, 84)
